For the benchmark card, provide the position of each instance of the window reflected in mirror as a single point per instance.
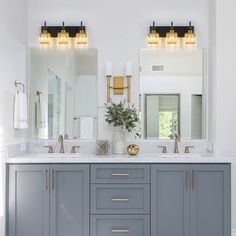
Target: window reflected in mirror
(162, 115)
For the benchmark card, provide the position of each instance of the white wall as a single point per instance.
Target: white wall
(225, 89)
(13, 62)
(118, 30)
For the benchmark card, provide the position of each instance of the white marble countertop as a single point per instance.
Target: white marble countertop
(38, 158)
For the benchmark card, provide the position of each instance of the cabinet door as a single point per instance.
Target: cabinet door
(69, 200)
(210, 200)
(28, 200)
(170, 200)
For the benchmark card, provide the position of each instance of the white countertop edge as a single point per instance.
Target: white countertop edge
(118, 159)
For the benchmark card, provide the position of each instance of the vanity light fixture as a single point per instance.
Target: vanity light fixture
(63, 36)
(172, 36)
(190, 37)
(118, 86)
(44, 36)
(153, 36)
(81, 37)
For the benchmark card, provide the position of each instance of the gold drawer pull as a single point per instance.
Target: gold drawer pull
(125, 230)
(120, 199)
(120, 174)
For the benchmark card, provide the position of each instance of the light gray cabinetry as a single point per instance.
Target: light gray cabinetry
(120, 200)
(48, 200)
(69, 200)
(190, 200)
(210, 200)
(28, 205)
(170, 200)
(122, 225)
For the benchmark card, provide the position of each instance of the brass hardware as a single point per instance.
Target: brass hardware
(50, 148)
(116, 230)
(118, 87)
(120, 199)
(186, 180)
(133, 149)
(120, 174)
(61, 141)
(177, 139)
(129, 88)
(73, 149)
(108, 88)
(187, 149)
(52, 179)
(164, 149)
(193, 179)
(46, 179)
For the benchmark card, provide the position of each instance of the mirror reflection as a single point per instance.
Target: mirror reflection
(63, 93)
(171, 93)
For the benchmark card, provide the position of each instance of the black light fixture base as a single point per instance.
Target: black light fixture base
(163, 30)
(72, 30)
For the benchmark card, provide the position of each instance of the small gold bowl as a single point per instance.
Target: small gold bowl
(133, 149)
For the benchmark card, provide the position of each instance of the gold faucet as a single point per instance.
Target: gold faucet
(61, 141)
(177, 139)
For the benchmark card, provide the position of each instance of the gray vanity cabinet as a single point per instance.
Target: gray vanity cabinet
(69, 200)
(48, 200)
(210, 200)
(28, 200)
(170, 200)
(190, 200)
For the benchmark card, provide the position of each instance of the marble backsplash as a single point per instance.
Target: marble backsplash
(89, 146)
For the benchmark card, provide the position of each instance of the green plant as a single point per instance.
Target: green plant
(120, 115)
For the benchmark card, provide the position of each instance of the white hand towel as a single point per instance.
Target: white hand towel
(86, 127)
(20, 111)
(40, 107)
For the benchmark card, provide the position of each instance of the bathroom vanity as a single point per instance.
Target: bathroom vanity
(113, 196)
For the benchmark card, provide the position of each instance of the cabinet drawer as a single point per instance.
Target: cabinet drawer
(120, 225)
(120, 173)
(120, 198)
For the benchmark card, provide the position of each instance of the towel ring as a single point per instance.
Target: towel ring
(18, 84)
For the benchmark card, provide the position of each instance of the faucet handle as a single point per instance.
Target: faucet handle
(73, 149)
(187, 149)
(50, 149)
(164, 149)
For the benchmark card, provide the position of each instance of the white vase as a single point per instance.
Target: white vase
(119, 146)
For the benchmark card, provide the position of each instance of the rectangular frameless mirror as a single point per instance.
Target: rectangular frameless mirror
(172, 88)
(63, 93)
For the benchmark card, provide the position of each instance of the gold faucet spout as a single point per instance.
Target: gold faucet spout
(177, 139)
(61, 141)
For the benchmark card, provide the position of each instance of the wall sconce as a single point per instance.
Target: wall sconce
(44, 36)
(172, 35)
(153, 36)
(118, 81)
(64, 34)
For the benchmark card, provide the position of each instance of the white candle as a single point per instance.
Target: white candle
(128, 69)
(108, 69)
